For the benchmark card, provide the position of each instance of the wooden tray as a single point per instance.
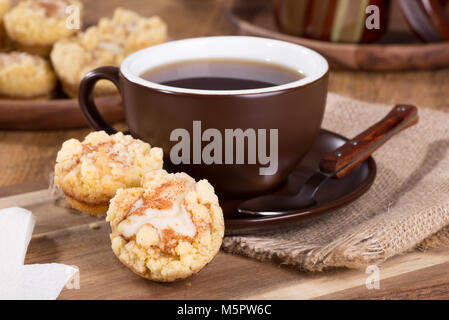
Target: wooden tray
(398, 50)
(63, 235)
(54, 114)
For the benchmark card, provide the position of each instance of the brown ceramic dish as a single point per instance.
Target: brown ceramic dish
(398, 50)
(429, 19)
(334, 194)
(156, 113)
(331, 20)
(61, 113)
(438, 13)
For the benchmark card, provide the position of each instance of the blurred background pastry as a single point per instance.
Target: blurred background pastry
(25, 76)
(107, 43)
(35, 25)
(90, 172)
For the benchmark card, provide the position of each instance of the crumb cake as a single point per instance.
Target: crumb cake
(168, 229)
(35, 25)
(25, 76)
(4, 6)
(107, 43)
(90, 172)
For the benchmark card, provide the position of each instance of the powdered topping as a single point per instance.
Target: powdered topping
(120, 152)
(10, 58)
(131, 26)
(114, 47)
(14, 58)
(114, 34)
(51, 8)
(136, 206)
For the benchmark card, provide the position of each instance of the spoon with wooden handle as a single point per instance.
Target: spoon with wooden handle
(336, 164)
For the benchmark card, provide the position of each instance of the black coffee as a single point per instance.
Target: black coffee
(222, 74)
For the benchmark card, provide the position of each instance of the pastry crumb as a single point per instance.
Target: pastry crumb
(94, 226)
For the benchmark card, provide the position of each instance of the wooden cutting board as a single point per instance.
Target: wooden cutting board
(63, 235)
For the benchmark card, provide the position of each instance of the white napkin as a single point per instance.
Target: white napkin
(16, 228)
(19, 281)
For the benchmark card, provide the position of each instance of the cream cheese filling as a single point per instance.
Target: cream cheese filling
(176, 218)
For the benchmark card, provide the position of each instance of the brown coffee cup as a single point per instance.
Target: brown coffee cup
(264, 132)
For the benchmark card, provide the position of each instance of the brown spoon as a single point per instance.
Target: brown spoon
(336, 164)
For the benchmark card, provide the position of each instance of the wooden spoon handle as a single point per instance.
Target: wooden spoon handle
(341, 161)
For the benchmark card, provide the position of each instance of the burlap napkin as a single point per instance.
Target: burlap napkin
(407, 206)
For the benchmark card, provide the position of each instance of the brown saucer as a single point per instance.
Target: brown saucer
(334, 194)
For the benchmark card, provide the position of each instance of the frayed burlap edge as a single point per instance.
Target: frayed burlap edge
(339, 254)
(437, 241)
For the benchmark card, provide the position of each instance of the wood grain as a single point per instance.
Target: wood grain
(64, 235)
(29, 156)
(55, 114)
(426, 283)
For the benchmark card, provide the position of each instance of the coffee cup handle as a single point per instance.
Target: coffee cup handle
(86, 96)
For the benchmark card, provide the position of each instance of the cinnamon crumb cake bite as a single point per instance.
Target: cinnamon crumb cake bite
(35, 25)
(107, 43)
(169, 228)
(90, 172)
(25, 76)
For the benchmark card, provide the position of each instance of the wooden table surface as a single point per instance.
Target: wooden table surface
(29, 156)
